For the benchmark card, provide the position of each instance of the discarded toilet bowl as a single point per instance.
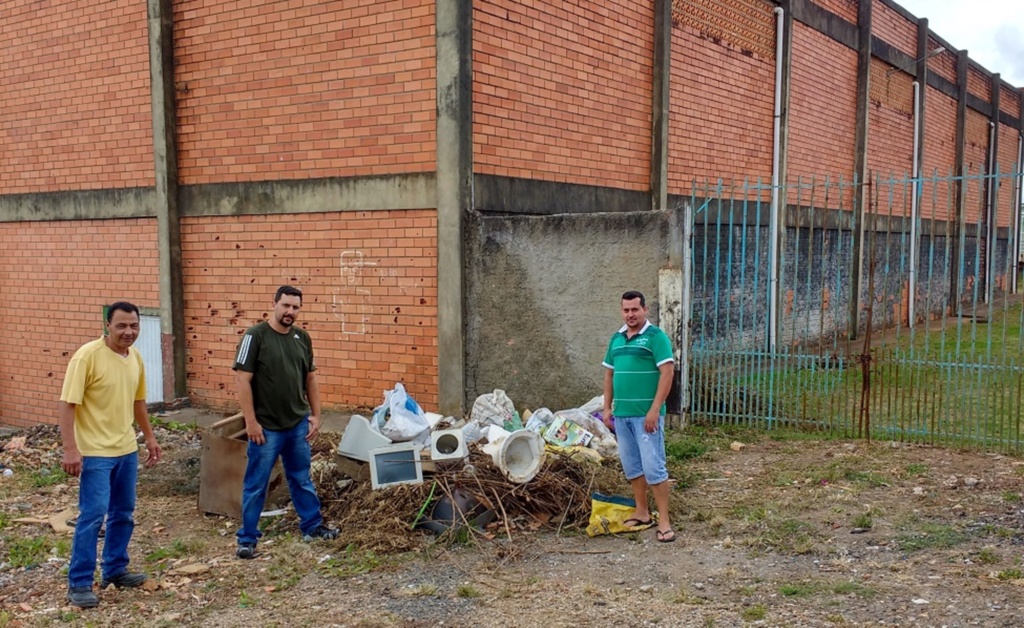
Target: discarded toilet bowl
(359, 438)
(447, 445)
(520, 456)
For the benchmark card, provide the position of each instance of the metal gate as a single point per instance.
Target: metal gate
(884, 310)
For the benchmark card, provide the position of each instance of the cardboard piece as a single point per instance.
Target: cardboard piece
(222, 469)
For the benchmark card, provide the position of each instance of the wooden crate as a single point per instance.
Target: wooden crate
(222, 468)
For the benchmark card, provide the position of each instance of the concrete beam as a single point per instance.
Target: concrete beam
(454, 50)
(860, 159)
(493, 194)
(660, 105)
(165, 161)
(79, 205)
(299, 196)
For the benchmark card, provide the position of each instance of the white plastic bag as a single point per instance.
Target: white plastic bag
(400, 418)
(493, 408)
(539, 420)
(594, 405)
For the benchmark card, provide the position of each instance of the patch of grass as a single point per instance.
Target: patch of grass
(48, 476)
(245, 600)
(916, 469)
(62, 548)
(987, 556)
(1010, 574)
(177, 549)
(864, 520)
(682, 596)
(425, 590)
(838, 620)
(171, 425)
(353, 561)
(1011, 497)
(799, 589)
(467, 591)
(848, 587)
(682, 447)
(5, 520)
(28, 551)
(5, 619)
(67, 617)
(932, 536)
(754, 613)
(781, 534)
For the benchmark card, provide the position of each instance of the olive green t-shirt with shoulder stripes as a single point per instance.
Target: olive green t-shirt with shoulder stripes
(634, 363)
(280, 364)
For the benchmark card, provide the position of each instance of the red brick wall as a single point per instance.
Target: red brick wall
(975, 163)
(370, 298)
(1009, 101)
(893, 28)
(1007, 162)
(62, 273)
(891, 129)
(943, 64)
(562, 91)
(939, 159)
(299, 89)
(823, 105)
(979, 84)
(846, 9)
(721, 110)
(74, 96)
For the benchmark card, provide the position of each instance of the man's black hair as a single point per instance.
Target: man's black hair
(291, 291)
(124, 306)
(633, 294)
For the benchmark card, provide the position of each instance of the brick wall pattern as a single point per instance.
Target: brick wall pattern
(939, 158)
(369, 282)
(893, 28)
(74, 96)
(846, 9)
(66, 271)
(300, 89)
(976, 143)
(562, 91)
(722, 101)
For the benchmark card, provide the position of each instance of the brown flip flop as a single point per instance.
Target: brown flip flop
(667, 536)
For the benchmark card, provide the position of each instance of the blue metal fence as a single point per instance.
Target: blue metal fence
(885, 310)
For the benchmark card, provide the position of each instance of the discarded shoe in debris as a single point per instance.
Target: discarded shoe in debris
(465, 509)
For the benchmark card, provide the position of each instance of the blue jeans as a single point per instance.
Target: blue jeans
(106, 488)
(641, 452)
(295, 455)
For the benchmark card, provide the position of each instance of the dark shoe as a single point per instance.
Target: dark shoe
(321, 532)
(127, 580)
(634, 522)
(667, 536)
(83, 597)
(246, 551)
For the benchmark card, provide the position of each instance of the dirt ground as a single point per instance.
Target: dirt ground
(783, 531)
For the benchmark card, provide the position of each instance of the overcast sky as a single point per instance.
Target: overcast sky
(992, 31)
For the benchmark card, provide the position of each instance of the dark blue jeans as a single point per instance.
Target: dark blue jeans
(106, 488)
(295, 455)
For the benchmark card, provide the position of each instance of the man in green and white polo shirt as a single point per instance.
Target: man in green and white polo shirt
(638, 376)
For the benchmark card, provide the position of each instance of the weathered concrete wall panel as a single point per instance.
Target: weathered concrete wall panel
(543, 299)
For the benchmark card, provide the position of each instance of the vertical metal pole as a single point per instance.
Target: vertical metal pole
(860, 158)
(774, 228)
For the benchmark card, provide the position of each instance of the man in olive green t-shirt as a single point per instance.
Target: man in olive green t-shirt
(638, 376)
(280, 398)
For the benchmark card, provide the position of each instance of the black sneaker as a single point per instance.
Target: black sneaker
(321, 532)
(83, 597)
(246, 551)
(127, 580)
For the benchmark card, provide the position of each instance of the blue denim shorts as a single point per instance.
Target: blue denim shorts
(641, 452)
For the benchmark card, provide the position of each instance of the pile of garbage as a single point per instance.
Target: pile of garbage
(496, 473)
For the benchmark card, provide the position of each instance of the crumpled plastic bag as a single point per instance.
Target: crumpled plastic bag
(604, 441)
(594, 405)
(539, 420)
(608, 512)
(400, 418)
(493, 408)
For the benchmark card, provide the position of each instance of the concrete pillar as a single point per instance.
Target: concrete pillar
(992, 192)
(961, 190)
(1019, 193)
(454, 50)
(660, 106)
(922, 81)
(860, 159)
(165, 162)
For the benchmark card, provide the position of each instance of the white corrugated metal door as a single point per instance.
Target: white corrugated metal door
(148, 345)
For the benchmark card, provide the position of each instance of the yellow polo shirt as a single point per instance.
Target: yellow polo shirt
(104, 387)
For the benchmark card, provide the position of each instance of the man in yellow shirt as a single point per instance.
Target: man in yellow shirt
(104, 391)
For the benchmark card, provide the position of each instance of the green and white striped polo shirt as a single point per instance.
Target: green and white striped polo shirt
(635, 363)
